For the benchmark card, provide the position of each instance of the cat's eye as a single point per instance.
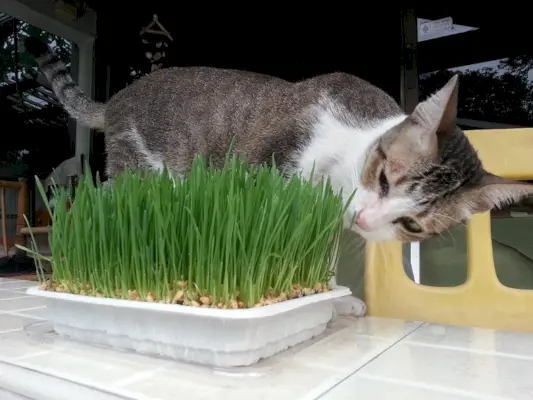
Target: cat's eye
(383, 184)
(409, 224)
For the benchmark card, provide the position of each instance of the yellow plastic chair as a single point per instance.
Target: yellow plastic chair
(482, 300)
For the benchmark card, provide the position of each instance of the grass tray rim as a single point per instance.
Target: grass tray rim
(246, 313)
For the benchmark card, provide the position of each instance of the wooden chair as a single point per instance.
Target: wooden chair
(42, 225)
(482, 300)
(22, 208)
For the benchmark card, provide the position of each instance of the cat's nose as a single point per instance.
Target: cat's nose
(361, 221)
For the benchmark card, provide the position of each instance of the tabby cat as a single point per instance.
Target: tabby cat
(416, 175)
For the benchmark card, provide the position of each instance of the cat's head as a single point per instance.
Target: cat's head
(423, 176)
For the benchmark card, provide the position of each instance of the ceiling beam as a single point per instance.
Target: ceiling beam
(470, 48)
(41, 13)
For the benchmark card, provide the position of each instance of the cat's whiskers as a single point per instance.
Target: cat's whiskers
(358, 246)
(355, 177)
(454, 220)
(444, 230)
(446, 227)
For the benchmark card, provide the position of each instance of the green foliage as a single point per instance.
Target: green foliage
(22, 150)
(26, 63)
(238, 233)
(502, 94)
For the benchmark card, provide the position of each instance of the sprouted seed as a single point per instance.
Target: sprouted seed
(238, 236)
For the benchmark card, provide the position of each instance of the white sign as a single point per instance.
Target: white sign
(428, 27)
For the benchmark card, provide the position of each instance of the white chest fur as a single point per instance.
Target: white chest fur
(338, 149)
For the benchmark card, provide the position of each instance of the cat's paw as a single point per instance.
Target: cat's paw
(349, 305)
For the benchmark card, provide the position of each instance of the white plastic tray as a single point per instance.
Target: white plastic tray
(222, 338)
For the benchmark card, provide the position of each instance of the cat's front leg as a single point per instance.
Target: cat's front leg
(347, 305)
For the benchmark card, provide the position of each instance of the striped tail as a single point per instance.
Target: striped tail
(78, 105)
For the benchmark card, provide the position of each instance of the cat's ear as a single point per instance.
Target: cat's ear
(438, 113)
(494, 192)
(434, 116)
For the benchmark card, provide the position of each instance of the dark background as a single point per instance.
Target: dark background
(291, 44)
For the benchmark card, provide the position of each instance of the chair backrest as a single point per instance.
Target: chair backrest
(481, 300)
(21, 188)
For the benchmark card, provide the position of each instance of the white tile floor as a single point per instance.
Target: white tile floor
(367, 358)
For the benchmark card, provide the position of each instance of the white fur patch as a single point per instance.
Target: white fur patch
(378, 212)
(339, 150)
(349, 305)
(153, 160)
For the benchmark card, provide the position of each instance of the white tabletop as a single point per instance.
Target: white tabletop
(365, 358)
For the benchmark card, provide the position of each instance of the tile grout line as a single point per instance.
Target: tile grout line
(17, 314)
(20, 396)
(469, 350)
(11, 330)
(15, 297)
(32, 355)
(371, 359)
(22, 309)
(137, 377)
(433, 388)
(7, 289)
(65, 378)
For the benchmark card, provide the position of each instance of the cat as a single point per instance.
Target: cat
(414, 175)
